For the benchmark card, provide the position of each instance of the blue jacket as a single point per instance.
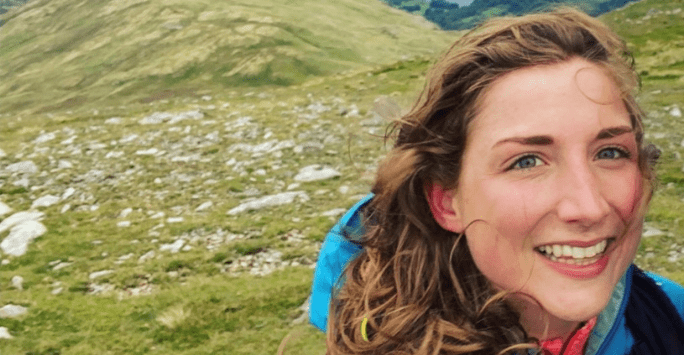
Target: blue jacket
(609, 336)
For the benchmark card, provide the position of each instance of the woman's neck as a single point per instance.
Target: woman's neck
(542, 325)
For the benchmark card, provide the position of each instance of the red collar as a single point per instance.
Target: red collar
(573, 346)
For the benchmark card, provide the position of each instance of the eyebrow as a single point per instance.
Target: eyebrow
(605, 133)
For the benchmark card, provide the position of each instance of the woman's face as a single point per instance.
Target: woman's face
(549, 188)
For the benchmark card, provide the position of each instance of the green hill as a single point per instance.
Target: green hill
(450, 16)
(58, 54)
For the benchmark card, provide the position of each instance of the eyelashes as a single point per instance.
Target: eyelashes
(529, 161)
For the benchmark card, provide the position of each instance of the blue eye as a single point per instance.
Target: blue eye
(526, 162)
(612, 153)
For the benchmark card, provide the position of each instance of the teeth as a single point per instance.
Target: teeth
(567, 250)
(589, 252)
(573, 255)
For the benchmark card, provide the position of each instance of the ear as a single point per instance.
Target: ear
(442, 207)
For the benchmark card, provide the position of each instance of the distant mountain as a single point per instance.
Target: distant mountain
(450, 16)
(66, 53)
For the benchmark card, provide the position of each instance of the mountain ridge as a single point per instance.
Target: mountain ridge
(53, 50)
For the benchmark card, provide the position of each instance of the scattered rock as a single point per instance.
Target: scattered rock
(20, 217)
(113, 120)
(170, 118)
(268, 201)
(61, 265)
(4, 333)
(68, 193)
(45, 137)
(16, 243)
(316, 172)
(98, 274)
(149, 255)
(204, 206)
(12, 311)
(45, 201)
(4, 209)
(334, 212)
(123, 224)
(125, 212)
(22, 167)
(94, 289)
(18, 282)
(64, 164)
(651, 232)
(173, 247)
(2, 153)
(675, 112)
(174, 220)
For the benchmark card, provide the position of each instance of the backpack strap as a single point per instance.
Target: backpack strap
(653, 320)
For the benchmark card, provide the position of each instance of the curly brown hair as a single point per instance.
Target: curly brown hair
(415, 282)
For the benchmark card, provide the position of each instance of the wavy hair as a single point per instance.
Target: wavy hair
(415, 282)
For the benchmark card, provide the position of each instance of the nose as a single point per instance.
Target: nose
(582, 200)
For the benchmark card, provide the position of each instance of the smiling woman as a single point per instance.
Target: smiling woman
(507, 216)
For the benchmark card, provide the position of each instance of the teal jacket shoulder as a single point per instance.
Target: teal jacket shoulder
(337, 250)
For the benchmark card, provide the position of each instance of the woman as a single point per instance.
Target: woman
(507, 215)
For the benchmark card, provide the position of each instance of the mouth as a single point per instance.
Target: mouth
(575, 255)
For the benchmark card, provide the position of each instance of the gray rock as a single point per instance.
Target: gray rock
(675, 112)
(18, 282)
(45, 137)
(12, 311)
(151, 151)
(316, 172)
(170, 118)
(44, 201)
(204, 206)
(64, 164)
(20, 217)
(2, 153)
(125, 212)
(113, 120)
(61, 265)
(24, 182)
(334, 212)
(282, 198)
(652, 232)
(174, 220)
(68, 193)
(173, 247)
(22, 167)
(123, 224)
(4, 333)
(149, 255)
(98, 274)
(16, 243)
(4, 209)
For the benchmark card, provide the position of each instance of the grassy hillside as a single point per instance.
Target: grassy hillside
(56, 53)
(142, 254)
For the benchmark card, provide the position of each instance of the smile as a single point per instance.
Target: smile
(574, 255)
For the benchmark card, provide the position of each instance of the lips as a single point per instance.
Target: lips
(580, 262)
(574, 254)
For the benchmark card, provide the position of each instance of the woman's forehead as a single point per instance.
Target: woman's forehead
(544, 97)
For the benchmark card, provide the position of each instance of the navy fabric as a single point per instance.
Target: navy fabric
(652, 319)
